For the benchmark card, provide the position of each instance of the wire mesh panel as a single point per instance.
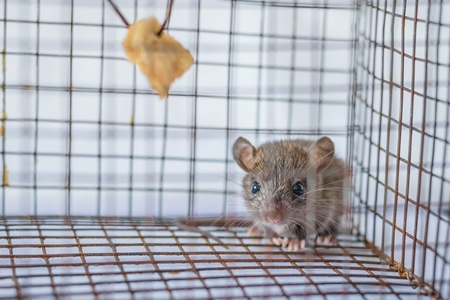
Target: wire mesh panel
(83, 126)
(100, 177)
(117, 258)
(402, 143)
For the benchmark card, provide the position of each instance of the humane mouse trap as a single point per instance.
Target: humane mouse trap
(108, 193)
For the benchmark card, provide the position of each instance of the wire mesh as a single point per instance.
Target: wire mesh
(402, 141)
(96, 136)
(100, 167)
(113, 258)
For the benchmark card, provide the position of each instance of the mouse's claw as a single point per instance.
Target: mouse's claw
(326, 240)
(277, 241)
(319, 240)
(296, 244)
(291, 244)
(302, 244)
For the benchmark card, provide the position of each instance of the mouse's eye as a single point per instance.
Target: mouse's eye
(298, 189)
(255, 187)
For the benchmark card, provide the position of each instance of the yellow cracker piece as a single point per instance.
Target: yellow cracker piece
(161, 58)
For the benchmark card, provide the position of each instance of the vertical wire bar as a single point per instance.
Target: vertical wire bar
(47, 261)
(227, 268)
(315, 57)
(193, 153)
(269, 107)
(321, 71)
(83, 260)
(441, 192)
(260, 68)
(185, 255)
(372, 113)
(132, 129)
(351, 111)
(357, 102)
(69, 146)
(343, 275)
(253, 256)
(11, 259)
(163, 158)
(5, 22)
(421, 163)
(307, 276)
(421, 154)
(388, 137)
(153, 260)
(117, 259)
(399, 134)
(382, 282)
(436, 95)
(370, 106)
(228, 97)
(411, 126)
(447, 246)
(36, 123)
(380, 119)
(292, 70)
(100, 112)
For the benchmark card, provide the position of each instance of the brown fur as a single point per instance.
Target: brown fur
(277, 166)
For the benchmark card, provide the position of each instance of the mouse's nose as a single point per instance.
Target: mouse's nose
(274, 218)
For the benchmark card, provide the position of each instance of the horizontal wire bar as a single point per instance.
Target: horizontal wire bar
(191, 30)
(98, 283)
(334, 88)
(211, 277)
(197, 269)
(296, 294)
(200, 63)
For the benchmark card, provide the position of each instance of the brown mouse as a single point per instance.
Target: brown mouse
(293, 188)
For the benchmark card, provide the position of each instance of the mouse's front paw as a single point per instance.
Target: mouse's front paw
(296, 244)
(326, 240)
(254, 233)
(291, 244)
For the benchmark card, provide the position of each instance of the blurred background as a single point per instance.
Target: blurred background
(78, 111)
(83, 134)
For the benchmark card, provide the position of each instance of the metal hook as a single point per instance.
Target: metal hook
(163, 26)
(168, 13)
(116, 9)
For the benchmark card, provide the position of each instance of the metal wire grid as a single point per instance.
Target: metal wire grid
(117, 258)
(108, 149)
(136, 192)
(402, 143)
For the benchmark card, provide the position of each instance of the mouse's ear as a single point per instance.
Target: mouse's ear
(244, 154)
(321, 153)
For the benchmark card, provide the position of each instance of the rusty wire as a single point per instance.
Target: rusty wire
(91, 256)
(397, 138)
(403, 113)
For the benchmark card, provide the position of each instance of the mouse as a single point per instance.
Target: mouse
(292, 189)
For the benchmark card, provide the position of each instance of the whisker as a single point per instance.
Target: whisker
(218, 175)
(323, 157)
(339, 225)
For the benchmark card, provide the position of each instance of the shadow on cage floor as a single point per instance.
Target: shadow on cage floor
(121, 258)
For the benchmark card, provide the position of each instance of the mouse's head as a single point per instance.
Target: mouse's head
(276, 185)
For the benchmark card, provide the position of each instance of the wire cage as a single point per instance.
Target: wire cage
(109, 193)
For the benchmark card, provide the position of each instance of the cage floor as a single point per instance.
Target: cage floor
(121, 258)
